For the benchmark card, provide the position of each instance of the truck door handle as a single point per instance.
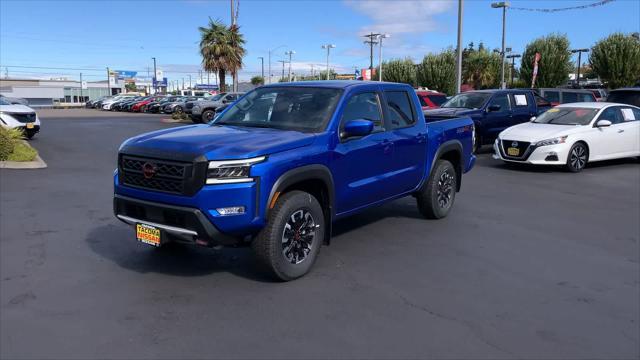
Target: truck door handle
(620, 131)
(421, 138)
(386, 145)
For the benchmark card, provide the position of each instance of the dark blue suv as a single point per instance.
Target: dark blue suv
(277, 167)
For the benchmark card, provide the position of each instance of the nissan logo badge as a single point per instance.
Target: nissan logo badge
(514, 144)
(148, 170)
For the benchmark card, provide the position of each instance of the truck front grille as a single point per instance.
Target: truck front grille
(159, 175)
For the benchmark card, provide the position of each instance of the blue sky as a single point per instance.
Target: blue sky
(126, 34)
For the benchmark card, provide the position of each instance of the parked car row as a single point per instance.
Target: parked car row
(167, 104)
(15, 115)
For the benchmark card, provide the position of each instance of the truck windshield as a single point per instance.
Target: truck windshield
(467, 100)
(566, 116)
(289, 108)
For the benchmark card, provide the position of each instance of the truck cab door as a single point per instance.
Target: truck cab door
(497, 117)
(409, 140)
(361, 165)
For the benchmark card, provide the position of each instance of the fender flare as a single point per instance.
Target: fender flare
(450, 145)
(307, 172)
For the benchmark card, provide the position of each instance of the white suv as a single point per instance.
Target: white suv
(19, 116)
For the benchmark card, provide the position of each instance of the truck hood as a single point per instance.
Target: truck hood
(445, 113)
(215, 142)
(533, 132)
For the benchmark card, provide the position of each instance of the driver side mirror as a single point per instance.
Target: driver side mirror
(603, 123)
(494, 107)
(359, 127)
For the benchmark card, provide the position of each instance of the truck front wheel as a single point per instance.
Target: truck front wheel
(436, 197)
(290, 242)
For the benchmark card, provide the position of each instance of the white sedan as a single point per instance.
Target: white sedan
(573, 135)
(17, 116)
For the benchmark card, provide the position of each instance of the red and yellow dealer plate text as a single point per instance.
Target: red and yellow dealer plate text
(148, 234)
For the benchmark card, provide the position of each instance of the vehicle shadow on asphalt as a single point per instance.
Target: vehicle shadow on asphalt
(402, 208)
(117, 243)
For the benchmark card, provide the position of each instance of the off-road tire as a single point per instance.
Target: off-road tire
(437, 196)
(268, 245)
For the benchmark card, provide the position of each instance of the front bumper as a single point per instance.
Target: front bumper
(185, 224)
(543, 155)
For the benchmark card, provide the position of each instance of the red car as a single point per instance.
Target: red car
(142, 105)
(431, 99)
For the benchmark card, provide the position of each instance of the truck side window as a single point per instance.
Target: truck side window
(363, 106)
(540, 101)
(502, 100)
(400, 109)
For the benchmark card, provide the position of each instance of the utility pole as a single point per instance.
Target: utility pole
(190, 87)
(513, 65)
(108, 85)
(235, 5)
(579, 51)
(371, 42)
(504, 5)
(182, 83)
(155, 74)
(290, 53)
(459, 49)
(262, 62)
(328, 47)
(81, 94)
(283, 62)
(380, 37)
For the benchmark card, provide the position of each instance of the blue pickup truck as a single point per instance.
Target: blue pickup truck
(491, 110)
(276, 168)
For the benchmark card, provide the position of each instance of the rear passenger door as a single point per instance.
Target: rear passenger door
(522, 107)
(409, 140)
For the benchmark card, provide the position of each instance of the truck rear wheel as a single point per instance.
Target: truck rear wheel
(290, 242)
(436, 197)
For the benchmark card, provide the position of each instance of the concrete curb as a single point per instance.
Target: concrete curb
(38, 163)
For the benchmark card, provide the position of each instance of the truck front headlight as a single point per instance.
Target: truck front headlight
(554, 141)
(231, 171)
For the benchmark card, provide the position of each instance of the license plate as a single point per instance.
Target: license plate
(513, 151)
(30, 125)
(148, 234)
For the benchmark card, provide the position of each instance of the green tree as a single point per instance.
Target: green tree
(555, 61)
(257, 81)
(616, 60)
(222, 49)
(130, 87)
(400, 71)
(481, 69)
(438, 71)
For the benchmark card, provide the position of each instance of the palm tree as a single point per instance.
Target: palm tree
(221, 48)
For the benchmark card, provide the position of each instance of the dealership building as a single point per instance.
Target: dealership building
(62, 91)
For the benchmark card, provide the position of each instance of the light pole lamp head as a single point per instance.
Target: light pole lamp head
(579, 50)
(384, 36)
(501, 4)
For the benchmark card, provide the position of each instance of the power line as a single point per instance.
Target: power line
(599, 3)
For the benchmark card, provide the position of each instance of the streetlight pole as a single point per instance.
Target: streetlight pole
(108, 85)
(262, 62)
(504, 5)
(579, 51)
(513, 65)
(328, 47)
(459, 49)
(380, 37)
(155, 73)
(190, 81)
(283, 62)
(290, 52)
(270, 51)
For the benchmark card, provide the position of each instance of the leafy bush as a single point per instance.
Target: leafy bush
(481, 69)
(12, 148)
(616, 59)
(400, 71)
(438, 72)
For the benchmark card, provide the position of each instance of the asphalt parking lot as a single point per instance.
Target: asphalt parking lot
(532, 263)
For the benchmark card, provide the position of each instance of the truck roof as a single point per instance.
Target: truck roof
(335, 84)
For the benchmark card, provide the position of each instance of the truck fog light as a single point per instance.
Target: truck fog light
(232, 210)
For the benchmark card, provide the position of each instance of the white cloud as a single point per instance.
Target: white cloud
(401, 16)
